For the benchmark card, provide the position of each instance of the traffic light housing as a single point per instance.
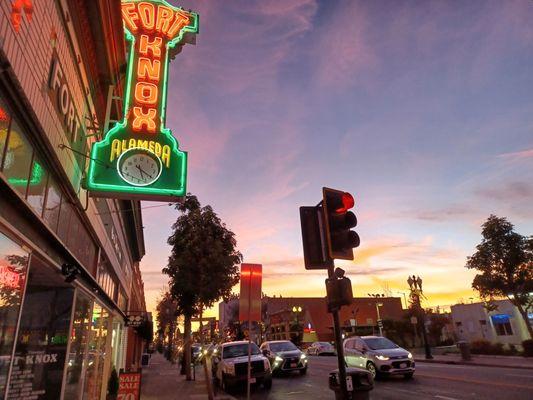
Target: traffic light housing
(339, 292)
(338, 222)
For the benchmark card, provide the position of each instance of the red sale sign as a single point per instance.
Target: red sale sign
(129, 386)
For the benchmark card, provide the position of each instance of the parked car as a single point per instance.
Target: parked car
(284, 356)
(230, 365)
(196, 352)
(319, 348)
(379, 355)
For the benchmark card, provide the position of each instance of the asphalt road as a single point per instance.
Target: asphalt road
(431, 381)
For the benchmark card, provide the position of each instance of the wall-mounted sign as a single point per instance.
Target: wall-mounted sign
(134, 321)
(139, 158)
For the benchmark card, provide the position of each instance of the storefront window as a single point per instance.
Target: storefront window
(37, 371)
(95, 382)
(53, 203)
(18, 159)
(4, 126)
(79, 337)
(13, 268)
(37, 186)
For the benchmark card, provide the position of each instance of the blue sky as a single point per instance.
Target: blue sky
(421, 109)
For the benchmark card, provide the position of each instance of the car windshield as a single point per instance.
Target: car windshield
(324, 344)
(239, 350)
(283, 346)
(380, 343)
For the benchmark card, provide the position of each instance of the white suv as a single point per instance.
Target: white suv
(230, 365)
(379, 356)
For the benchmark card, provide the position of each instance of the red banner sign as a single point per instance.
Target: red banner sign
(129, 386)
(250, 296)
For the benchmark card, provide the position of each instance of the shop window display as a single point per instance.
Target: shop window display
(37, 186)
(13, 269)
(4, 127)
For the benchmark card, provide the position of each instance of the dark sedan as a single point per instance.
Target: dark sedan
(284, 356)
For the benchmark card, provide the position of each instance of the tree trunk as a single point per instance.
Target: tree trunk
(524, 315)
(187, 346)
(207, 375)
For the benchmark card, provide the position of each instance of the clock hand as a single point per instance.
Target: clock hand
(143, 171)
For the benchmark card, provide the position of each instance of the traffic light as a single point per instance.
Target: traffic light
(338, 290)
(338, 223)
(315, 256)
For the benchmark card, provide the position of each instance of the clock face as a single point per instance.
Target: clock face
(139, 167)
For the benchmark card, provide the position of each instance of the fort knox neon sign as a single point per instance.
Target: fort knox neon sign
(139, 158)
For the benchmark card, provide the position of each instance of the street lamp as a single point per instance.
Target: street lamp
(297, 310)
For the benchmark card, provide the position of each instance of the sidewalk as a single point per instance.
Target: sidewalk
(162, 381)
(480, 360)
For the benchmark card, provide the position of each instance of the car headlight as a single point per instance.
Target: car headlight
(409, 355)
(303, 357)
(382, 358)
(278, 359)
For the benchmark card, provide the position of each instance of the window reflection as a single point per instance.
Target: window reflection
(53, 203)
(37, 186)
(17, 160)
(97, 354)
(79, 337)
(13, 268)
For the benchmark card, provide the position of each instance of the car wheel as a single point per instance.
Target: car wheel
(223, 384)
(267, 383)
(303, 371)
(371, 367)
(409, 375)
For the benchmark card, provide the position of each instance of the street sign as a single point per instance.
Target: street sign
(250, 293)
(380, 324)
(352, 322)
(139, 158)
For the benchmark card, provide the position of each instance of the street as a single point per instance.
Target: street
(431, 381)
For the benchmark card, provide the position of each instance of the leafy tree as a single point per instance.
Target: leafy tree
(505, 262)
(203, 264)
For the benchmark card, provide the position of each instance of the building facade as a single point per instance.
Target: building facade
(504, 324)
(68, 262)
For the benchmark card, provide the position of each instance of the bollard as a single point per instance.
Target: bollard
(464, 347)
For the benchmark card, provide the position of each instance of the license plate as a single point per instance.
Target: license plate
(252, 380)
(294, 365)
(404, 365)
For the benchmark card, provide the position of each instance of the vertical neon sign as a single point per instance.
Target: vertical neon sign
(139, 157)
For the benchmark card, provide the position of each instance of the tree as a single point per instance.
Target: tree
(504, 259)
(203, 264)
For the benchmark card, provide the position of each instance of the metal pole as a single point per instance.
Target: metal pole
(379, 320)
(338, 345)
(249, 338)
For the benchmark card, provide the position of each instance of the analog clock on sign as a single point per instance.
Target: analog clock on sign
(139, 167)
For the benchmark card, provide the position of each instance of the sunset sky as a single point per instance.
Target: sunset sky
(423, 110)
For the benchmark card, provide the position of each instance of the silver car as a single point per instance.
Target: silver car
(379, 355)
(319, 348)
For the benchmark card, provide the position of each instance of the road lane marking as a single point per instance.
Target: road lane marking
(451, 378)
(445, 397)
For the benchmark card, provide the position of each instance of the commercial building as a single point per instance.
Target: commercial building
(68, 262)
(503, 324)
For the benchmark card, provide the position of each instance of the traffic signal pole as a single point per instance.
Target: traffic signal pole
(338, 343)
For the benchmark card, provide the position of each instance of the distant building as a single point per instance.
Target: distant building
(504, 325)
(360, 317)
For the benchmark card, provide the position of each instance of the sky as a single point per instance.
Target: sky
(423, 110)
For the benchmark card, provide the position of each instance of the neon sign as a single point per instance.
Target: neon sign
(139, 158)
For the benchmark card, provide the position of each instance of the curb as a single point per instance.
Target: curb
(474, 364)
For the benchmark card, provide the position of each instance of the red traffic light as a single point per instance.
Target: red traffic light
(347, 203)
